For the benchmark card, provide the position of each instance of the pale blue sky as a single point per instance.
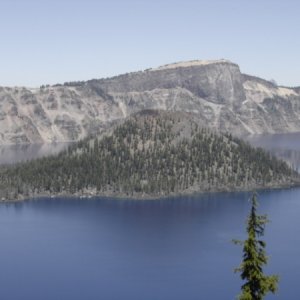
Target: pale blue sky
(50, 41)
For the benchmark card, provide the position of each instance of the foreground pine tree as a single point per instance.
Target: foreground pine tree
(257, 284)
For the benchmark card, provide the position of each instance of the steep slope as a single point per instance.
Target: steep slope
(269, 108)
(151, 154)
(52, 114)
(223, 98)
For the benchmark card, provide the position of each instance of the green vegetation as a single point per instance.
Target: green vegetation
(256, 285)
(150, 154)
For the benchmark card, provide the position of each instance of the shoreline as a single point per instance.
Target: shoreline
(90, 194)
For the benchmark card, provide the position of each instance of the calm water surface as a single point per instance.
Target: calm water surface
(176, 249)
(159, 249)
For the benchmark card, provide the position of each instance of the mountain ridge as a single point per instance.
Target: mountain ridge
(224, 99)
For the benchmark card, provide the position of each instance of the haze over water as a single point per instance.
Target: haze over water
(285, 146)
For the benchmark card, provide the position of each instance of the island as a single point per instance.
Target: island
(150, 154)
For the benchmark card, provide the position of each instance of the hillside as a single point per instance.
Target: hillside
(151, 154)
(223, 98)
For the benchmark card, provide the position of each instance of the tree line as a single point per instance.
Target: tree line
(149, 154)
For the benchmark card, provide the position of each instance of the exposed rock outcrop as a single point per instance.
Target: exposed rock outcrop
(222, 97)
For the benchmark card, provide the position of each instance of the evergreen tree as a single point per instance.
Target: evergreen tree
(150, 154)
(257, 284)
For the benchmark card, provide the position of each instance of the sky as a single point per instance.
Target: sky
(51, 41)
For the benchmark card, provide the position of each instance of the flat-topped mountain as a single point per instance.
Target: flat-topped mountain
(191, 63)
(150, 154)
(223, 98)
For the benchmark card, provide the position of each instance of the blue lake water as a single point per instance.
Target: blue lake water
(171, 249)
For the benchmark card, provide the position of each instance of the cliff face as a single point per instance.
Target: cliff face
(222, 97)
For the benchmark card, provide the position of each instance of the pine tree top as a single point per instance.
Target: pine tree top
(256, 285)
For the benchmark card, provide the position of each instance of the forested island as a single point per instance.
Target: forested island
(151, 154)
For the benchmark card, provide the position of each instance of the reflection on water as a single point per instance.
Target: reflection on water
(285, 146)
(17, 153)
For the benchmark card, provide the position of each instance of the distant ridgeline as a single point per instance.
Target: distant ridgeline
(151, 154)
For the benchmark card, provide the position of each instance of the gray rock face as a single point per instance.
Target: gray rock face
(216, 91)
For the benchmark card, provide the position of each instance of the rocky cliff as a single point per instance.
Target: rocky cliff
(216, 91)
